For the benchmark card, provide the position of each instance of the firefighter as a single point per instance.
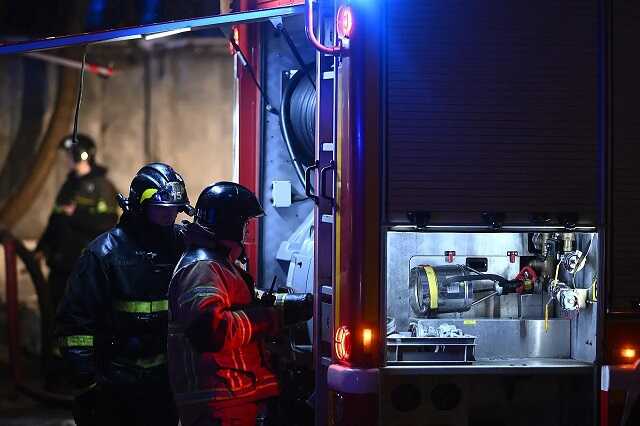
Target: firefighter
(112, 322)
(84, 208)
(217, 363)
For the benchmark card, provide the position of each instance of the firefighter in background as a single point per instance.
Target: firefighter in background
(217, 363)
(84, 208)
(112, 322)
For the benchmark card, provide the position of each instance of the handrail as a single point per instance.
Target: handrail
(311, 35)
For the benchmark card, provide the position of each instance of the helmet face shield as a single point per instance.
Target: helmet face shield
(172, 194)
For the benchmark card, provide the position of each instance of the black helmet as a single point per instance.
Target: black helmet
(159, 185)
(225, 208)
(83, 148)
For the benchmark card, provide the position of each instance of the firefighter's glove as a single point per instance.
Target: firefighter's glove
(82, 361)
(296, 307)
(266, 299)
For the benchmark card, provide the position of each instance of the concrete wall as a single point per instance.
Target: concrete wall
(170, 102)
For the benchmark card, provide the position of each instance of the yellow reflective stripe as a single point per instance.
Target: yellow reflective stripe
(148, 193)
(71, 341)
(137, 307)
(102, 207)
(160, 305)
(151, 362)
(84, 201)
(433, 287)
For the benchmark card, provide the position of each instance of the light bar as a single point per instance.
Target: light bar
(7, 48)
(166, 33)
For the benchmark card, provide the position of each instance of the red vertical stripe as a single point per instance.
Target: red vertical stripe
(604, 408)
(249, 119)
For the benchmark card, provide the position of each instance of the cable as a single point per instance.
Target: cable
(74, 136)
(246, 65)
(296, 53)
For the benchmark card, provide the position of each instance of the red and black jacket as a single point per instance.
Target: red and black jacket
(216, 328)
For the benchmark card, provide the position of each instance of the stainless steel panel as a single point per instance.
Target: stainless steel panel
(509, 306)
(504, 338)
(507, 366)
(531, 306)
(408, 249)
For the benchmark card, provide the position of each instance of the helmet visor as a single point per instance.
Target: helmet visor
(172, 194)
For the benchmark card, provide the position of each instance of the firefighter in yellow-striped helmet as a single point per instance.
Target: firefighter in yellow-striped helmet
(112, 323)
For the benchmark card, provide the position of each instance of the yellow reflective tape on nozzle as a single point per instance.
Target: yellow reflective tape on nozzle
(74, 341)
(546, 318)
(147, 193)
(433, 287)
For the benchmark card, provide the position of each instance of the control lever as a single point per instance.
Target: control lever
(268, 298)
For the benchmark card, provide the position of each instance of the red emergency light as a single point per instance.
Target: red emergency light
(344, 20)
(343, 343)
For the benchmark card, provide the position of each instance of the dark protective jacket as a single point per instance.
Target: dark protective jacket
(216, 327)
(96, 212)
(112, 322)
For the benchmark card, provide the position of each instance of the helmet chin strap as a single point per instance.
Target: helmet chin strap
(123, 202)
(243, 255)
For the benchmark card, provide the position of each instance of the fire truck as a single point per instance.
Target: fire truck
(456, 183)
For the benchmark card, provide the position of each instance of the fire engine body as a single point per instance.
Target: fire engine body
(455, 182)
(482, 196)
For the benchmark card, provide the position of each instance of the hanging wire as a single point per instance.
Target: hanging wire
(74, 136)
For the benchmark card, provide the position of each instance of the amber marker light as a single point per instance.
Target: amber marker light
(628, 353)
(367, 339)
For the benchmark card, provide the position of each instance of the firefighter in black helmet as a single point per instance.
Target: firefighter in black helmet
(84, 208)
(218, 367)
(112, 323)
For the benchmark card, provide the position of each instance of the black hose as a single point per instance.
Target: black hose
(304, 117)
(479, 277)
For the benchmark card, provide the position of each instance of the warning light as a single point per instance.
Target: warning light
(235, 35)
(367, 338)
(344, 22)
(628, 353)
(343, 343)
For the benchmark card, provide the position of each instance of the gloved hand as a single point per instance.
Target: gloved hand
(84, 406)
(296, 307)
(82, 362)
